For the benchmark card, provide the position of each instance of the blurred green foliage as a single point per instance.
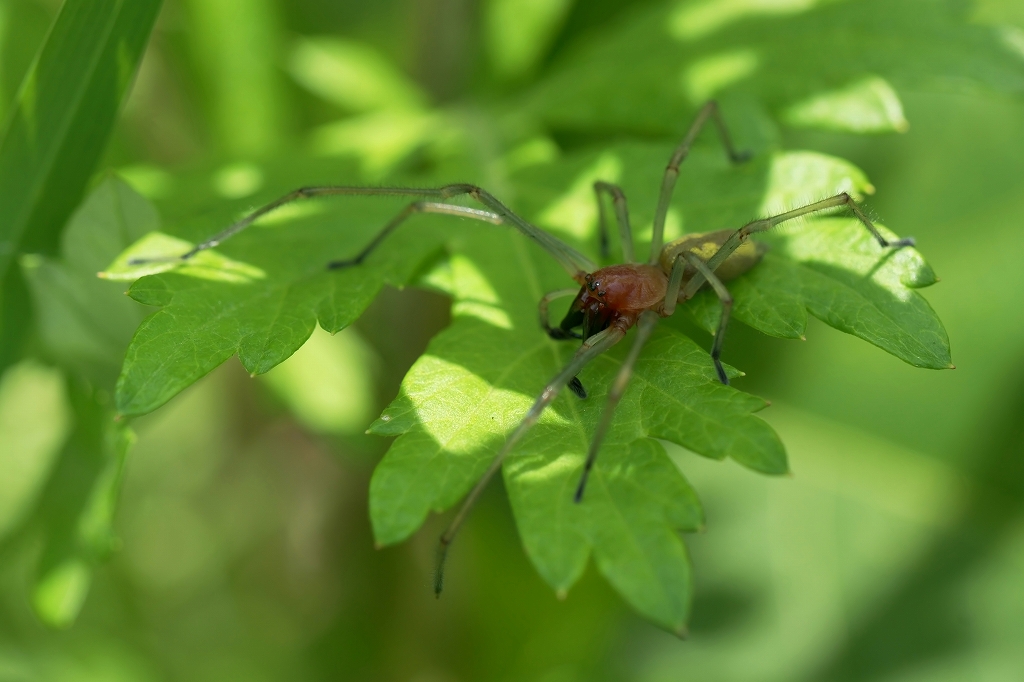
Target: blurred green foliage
(894, 551)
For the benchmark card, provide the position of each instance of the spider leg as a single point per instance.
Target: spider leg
(668, 183)
(726, 299)
(737, 238)
(621, 213)
(707, 275)
(411, 209)
(569, 258)
(590, 349)
(561, 333)
(644, 327)
(557, 333)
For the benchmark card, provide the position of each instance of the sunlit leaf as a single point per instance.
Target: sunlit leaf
(352, 75)
(462, 398)
(34, 420)
(84, 321)
(869, 105)
(791, 53)
(519, 31)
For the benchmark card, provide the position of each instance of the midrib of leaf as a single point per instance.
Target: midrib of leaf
(443, 446)
(647, 384)
(755, 292)
(652, 575)
(282, 296)
(922, 352)
(268, 293)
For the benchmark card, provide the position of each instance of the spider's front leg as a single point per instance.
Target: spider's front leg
(591, 348)
(644, 328)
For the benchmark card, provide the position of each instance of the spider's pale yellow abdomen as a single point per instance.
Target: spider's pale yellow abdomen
(704, 245)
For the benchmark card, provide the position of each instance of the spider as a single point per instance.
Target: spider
(610, 300)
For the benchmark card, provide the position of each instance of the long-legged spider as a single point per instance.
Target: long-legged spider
(611, 299)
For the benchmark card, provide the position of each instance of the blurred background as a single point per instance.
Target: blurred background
(895, 551)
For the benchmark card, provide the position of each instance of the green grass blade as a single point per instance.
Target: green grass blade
(63, 116)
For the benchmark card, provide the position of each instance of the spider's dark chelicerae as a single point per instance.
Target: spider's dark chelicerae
(609, 300)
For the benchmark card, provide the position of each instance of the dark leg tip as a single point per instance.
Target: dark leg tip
(576, 386)
(743, 156)
(339, 264)
(722, 376)
(906, 241)
(559, 334)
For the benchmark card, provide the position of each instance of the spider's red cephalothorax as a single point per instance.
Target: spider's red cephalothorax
(616, 295)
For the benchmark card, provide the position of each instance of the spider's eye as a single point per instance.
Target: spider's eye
(593, 285)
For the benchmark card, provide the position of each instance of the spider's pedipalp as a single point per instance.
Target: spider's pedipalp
(576, 386)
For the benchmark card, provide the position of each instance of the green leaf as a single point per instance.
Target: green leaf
(77, 508)
(463, 397)
(63, 117)
(34, 421)
(352, 75)
(518, 32)
(84, 322)
(869, 105)
(260, 295)
(237, 44)
(676, 55)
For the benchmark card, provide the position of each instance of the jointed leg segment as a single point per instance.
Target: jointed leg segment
(668, 183)
(415, 207)
(726, 299)
(590, 349)
(644, 328)
(765, 224)
(569, 258)
(621, 213)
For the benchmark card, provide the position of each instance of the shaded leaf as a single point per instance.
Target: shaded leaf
(84, 322)
(77, 507)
